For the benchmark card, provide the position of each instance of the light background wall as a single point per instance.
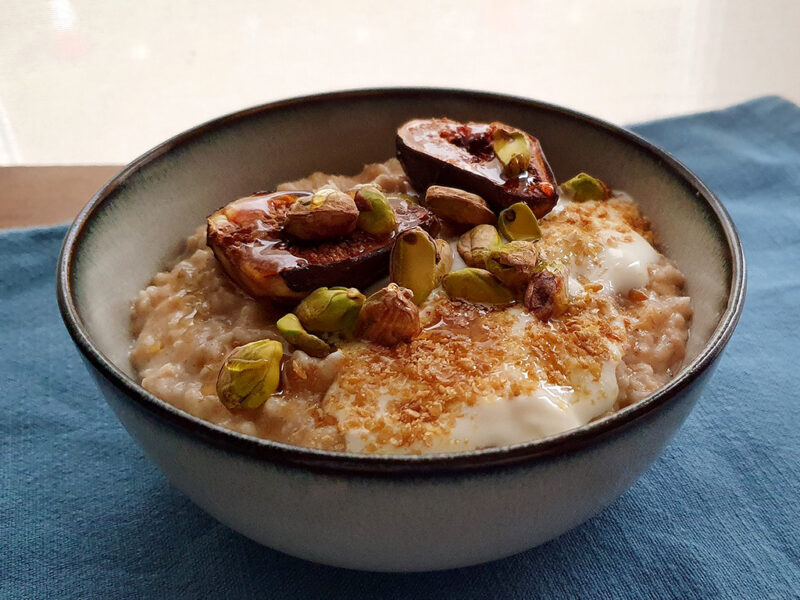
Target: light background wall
(98, 81)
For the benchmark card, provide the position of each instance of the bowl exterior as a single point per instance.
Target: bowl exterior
(392, 515)
(403, 523)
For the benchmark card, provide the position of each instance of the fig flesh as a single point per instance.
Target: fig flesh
(248, 239)
(462, 155)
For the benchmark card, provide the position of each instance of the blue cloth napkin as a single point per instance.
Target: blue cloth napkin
(83, 514)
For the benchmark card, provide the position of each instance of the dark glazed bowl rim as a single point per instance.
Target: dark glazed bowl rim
(403, 465)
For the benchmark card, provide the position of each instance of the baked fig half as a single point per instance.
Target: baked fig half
(250, 242)
(500, 163)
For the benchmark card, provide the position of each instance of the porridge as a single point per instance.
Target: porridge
(454, 299)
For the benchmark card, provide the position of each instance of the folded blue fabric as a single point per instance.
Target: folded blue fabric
(83, 514)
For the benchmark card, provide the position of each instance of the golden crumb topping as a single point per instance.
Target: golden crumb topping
(407, 394)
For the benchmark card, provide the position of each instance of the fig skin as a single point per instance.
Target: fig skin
(248, 241)
(449, 153)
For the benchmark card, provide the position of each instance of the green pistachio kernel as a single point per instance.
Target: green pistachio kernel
(477, 243)
(376, 215)
(476, 285)
(330, 310)
(517, 222)
(416, 263)
(250, 374)
(293, 332)
(513, 264)
(513, 150)
(584, 187)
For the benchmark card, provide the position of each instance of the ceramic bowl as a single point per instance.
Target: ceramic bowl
(397, 513)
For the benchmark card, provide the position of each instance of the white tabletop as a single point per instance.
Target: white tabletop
(91, 81)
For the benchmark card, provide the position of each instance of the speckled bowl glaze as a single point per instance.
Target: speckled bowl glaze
(398, 513)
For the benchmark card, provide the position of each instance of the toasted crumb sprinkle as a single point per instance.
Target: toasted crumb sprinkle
(463, 355)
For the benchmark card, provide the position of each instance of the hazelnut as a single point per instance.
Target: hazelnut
(389, 316)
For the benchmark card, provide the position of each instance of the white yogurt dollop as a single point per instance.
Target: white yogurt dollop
(550, 410)
(621, 266)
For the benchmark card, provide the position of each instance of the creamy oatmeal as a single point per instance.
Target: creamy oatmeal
(474, 373)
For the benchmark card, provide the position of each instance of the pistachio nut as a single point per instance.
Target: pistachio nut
(376, 215)
(517, 222)
(476, 285)
(547, 294)
(418, 263)
(513, 264)
(293, 332)
(444, 260)
(389, 316)
(330, 310)
(250, 374)
(584, 187)
(327, 214)
(512, 149)
(476, 244)
(458, 206)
